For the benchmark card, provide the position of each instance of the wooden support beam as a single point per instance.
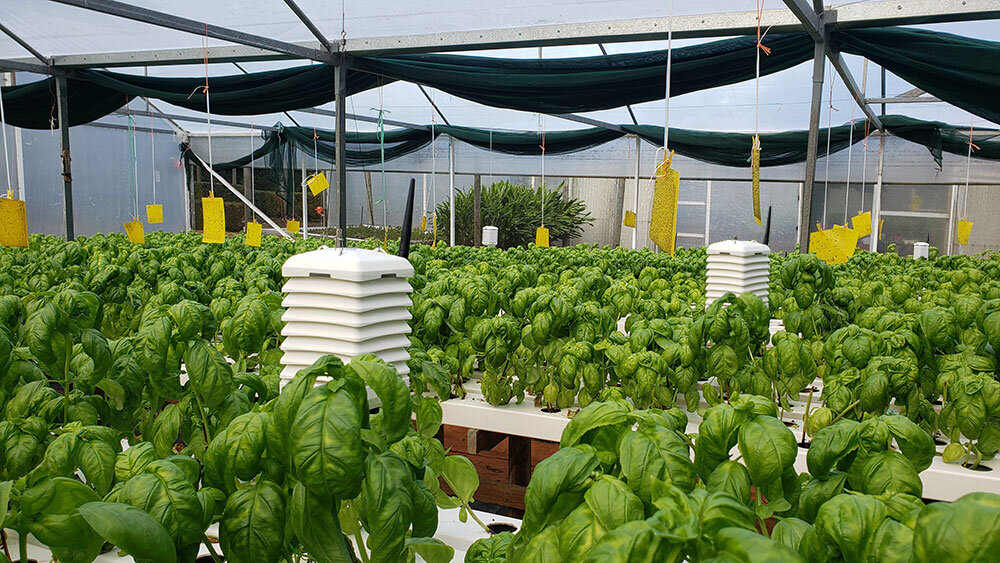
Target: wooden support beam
(482, 440)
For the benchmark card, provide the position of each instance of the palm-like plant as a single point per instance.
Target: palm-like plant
(516, 211)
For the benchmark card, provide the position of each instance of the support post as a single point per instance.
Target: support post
(341, 151)
(62, 95)
(617, 211)
(477, 217)
(451, 182)
(877, 196)
(635, 208)
(371, 200)
(819, 63)
(305, 199)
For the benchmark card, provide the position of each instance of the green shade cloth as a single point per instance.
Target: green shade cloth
(96, 93)
(726, 149)
(592, 83)
(530, 143)
(733, 149)
(962, 71)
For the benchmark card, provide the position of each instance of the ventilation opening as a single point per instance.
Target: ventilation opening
(388, 276)
(319, 275)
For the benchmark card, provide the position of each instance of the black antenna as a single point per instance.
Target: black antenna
(404, 237)
(767, 226)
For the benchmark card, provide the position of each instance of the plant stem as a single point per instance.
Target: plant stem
(3, 539)
(211, 550)
(476, 518)
(805, 417)
(22, 545)
(361, 547)
(847, 410)
(204, 420)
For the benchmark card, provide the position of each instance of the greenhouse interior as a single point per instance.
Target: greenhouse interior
(618, 280)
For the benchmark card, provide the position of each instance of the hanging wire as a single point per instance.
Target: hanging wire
(541, 187)
(670, 62)
(252, 175)
(6, 159)
(850, 146)
(434, 189)
(968, 170)
(381, 147)
(208, 115)
(829, 124)
(864, 165)
(491, 146)
(766, 51)
(135, 165)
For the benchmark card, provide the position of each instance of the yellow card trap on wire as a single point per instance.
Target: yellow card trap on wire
(292, 226)
(317, 183)
(254, 233)
(862, 224)
(629, 219)
(154, 213)
(663, 216)
(135, 232)
(542, 236)
(964, 230)
(213, 212)
(13, 223)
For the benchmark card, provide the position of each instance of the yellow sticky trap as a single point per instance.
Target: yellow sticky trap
(13, 223)
(755, 168)
(862, 224)
(317, 183)
(629, 219)
(434, 220)
(542, 236)
(964, 230)
(213, 213)
(880, 223)
(423, 223)
(254, 230)
(818, 245)
(134, 231)
(154, 213)
(834, 246)
(292, 226)
(663, 217)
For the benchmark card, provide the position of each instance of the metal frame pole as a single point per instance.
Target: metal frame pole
(62, 97)
(877, 197)
(305, 199)
(341, 151)
(240, 196)
(708, 211)
(451, 181)
(819, 64)
(635, 229)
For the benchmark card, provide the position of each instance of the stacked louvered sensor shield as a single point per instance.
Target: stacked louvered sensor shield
(737, 266)
(346, 302)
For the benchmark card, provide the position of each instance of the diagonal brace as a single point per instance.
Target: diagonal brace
(814, 25)
(162, 19)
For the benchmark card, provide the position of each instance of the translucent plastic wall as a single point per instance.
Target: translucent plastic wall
(103, 178)
(714, 200)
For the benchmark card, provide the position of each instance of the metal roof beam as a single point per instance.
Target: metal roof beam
(309, 24)
(588, 121)
(815, 25)
(22, 66)
(27, 47)
(161, 19)
(875, 13)
(433, 105)
(365, 118)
